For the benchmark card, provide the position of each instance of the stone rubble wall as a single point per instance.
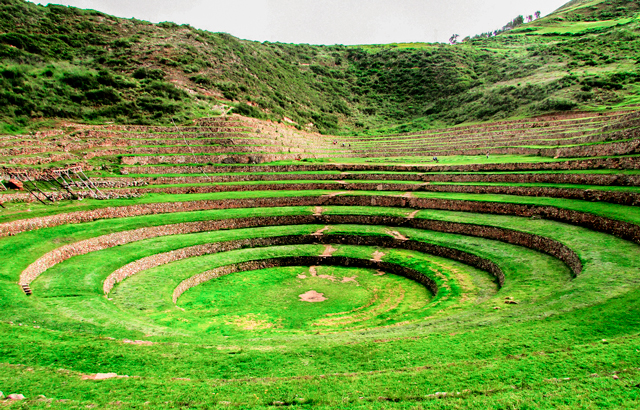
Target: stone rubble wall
(153, 261)
(120, 238)
(615, 197)
(395, 269)
(449, 146)
(542, 244)
(65, 195)
(255, 158)
(549, 121)
(622, 163)
(576, 179)
(589, 150)
(621, 229)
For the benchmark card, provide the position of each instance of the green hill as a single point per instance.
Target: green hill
(66, 63)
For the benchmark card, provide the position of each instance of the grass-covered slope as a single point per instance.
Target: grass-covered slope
(63, 62)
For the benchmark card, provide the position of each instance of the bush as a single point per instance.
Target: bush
(103, 95)
(200, 79)
(556, 104)
(157, 105)
(82, 81)
(164, 89)
(248, 111)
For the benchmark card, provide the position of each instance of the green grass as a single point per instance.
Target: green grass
(556, 331)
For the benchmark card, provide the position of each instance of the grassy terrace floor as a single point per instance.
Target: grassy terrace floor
(248, 299)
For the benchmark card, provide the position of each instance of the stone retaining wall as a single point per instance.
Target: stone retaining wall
(200, 250)
(542, 244)
(570, 165)
(577, 179)
(624, 230)
(591, 150)
(509, 144)
(255, 158)
(538, 122)
(615, 197)
(395, 269)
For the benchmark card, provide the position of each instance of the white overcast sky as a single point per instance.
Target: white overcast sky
(328, 21)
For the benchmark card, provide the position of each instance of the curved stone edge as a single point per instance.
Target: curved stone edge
(515, 177)
(614, 197)
(581, 164)
(621, 229)
(86, 246)
(395, 269)
(539, 243)
(212, 248)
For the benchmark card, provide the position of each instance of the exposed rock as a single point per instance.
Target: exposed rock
(15, 184)
(16, 397)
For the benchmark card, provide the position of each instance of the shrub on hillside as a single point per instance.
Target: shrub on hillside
(248, 111)
(555, 104)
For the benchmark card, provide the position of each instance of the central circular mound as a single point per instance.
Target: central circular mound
(273, 299)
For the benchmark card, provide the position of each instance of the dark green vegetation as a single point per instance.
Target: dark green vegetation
(65, 63)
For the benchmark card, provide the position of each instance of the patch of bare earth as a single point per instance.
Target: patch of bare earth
(328, 250)
(377, 256)
(312, 296)
(318, 211)
(348, 279)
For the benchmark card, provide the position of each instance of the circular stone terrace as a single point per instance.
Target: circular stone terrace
(260, 266)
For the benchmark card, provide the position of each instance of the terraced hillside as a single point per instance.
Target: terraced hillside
(238, 263)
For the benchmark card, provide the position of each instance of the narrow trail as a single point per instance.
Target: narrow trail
(397, 235)
(319, 232)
